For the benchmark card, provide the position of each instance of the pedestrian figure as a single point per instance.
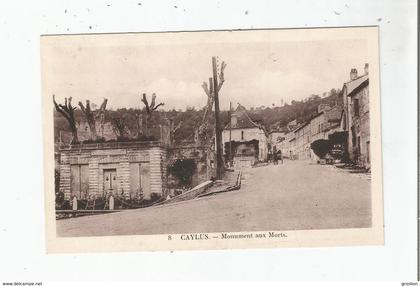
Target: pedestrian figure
(281, 157)
(275, 160)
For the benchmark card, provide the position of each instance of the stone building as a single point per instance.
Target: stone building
(355, 119)
(297, 143)
(303, 142)
(287, 146)
(275, 138)
(120, 168)
(323, 124)
(249, 142)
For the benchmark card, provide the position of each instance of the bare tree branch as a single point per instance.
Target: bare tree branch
(221, 76)
(67, 110)
(146, 103)
(152, 104)
(206, 89)
(90, 118)
(149, 110)
(178, 126)
(60, 108)
(157, 106)
(103, 105)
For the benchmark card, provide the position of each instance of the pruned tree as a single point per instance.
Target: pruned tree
(209, 91)
(101, 115)
(150, 108)
(92, 115)
(67, 110)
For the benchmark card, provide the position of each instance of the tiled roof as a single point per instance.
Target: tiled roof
(243, 120)
(352, 85)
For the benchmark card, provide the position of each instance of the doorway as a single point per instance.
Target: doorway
(110, 181)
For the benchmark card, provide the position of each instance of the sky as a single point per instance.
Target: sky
(262, 69)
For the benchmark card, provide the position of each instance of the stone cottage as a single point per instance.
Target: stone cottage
(249, 142)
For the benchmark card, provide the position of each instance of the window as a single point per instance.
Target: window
(356, 107)
(242, 135)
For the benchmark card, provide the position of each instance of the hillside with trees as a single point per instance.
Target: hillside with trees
(188, 120)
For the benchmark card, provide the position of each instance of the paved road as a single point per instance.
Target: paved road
(293, 196)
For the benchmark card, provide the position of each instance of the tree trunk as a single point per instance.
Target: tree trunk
(74, 137)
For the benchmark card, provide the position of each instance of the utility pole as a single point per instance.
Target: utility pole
(230, 133)
(219, 159)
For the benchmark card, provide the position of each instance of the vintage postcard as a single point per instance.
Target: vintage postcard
(212, 140)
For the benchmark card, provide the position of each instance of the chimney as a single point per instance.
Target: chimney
(366, 68)
(353, 74)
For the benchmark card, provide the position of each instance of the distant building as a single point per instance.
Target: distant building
(303, 141)
(324, 124)
(245, 139)
(292, 125)
(287, 146)
(355, 119)
(275, 138)
(345, 126)
(297, 143)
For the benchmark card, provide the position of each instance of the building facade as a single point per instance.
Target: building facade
(356, 120)
(275, 138)
(243, 137)
(125, 169)
(303, 142)
(287, 146)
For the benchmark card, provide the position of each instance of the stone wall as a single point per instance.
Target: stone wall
(202, 157)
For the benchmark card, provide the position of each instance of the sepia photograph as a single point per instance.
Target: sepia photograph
(209, 141)
(212, 139)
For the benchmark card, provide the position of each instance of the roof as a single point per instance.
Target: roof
(352, 85)
(303, 125)
(316, 115)
(282, 129)
(243, 120)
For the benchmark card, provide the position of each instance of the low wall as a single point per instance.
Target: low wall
(194, 192)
